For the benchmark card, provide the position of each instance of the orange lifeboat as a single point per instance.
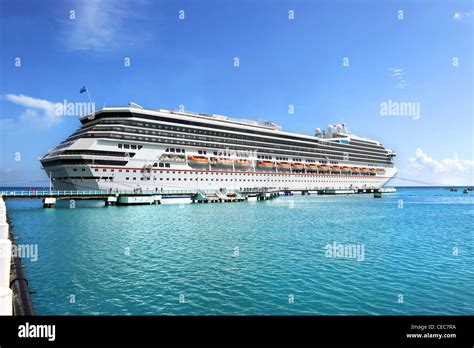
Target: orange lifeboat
(323, 168)
(284, 165)
(312, 166)
(345, 169)
(224, 161)
(297, 165)
(336, 168)
(266, 164)
(373, 170)
(198, 159)
(243, 162)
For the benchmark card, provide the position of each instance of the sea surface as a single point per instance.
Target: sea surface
(413, 254)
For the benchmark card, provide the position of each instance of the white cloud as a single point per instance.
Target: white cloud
(398, 73)
(453, 165)
(38, 111)
(463, 16)
(105, 24)
(426, 170)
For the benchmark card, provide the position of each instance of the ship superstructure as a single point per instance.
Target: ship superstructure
(127, 148)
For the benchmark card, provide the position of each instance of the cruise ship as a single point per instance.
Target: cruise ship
(132, 148)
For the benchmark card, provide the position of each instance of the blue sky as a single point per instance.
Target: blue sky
(283, 62)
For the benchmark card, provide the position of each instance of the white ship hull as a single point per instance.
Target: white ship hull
(233, 182)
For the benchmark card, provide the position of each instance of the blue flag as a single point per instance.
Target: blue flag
(83, 89)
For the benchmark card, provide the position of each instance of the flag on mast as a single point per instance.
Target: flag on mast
(83, 90)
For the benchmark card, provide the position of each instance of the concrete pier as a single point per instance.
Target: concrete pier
(112, 198)
(6, 294)
(14, 292)
(6, 299)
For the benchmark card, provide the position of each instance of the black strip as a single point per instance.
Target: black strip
(69, 161)
(133, 331)
(98, 153)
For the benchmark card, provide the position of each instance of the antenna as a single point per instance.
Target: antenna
(134, 105)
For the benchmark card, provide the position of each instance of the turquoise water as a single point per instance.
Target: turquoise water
(254, 258)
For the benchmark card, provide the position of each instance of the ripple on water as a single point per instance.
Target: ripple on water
(250, 259)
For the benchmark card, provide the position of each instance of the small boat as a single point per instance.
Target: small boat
(377, 194)
(266, 164)
(198, 159)
(242, 162)
(224, 161)
(323, 168)
(345, 169)
(336, 168)
(283, 165)
(453, 189)
(312, 166)
(465, 191)
(297, 165)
